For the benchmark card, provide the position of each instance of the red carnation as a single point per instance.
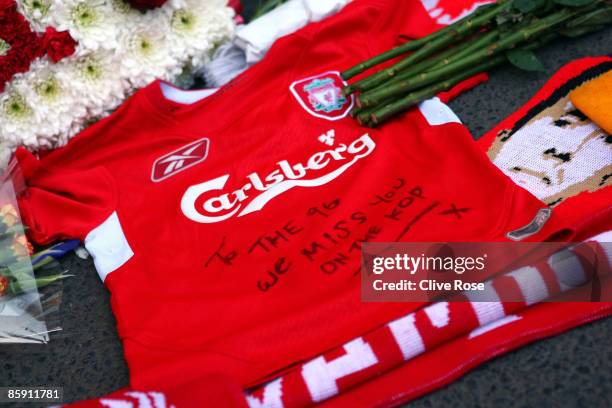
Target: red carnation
(7, 7)
(58, 44)
(4, 284)
(25, 45)
(236, 5)
(146, 4)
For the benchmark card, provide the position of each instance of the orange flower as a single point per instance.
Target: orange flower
(4, 283)
(8, 215)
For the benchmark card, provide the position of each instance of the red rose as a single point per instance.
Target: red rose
(146, 4)
(4, 284)
(57, 44)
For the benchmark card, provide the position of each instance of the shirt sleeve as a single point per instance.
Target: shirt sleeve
(72, 190)
(61, 202)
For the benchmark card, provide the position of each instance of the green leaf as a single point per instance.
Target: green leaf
(574, 3)
(547, 7)
(527, 6)
(595, 17)
(485, 7)
(580, 31)
(525, 60)
(524, 6)
(502, 18)
(508, 16)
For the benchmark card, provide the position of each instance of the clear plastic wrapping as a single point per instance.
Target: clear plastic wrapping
(30, 284)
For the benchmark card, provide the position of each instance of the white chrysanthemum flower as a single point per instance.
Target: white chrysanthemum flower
(94, 24)
(17, 114)
(199, 27)
(124, 8)
(95, 79)
(55, 99)
(38, 107)
(172, 5)
(119, 50)
(147, 53)
(37, 12)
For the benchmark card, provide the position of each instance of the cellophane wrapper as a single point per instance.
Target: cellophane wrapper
(30, 294)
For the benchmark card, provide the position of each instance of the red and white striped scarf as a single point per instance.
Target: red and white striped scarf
(396, 344)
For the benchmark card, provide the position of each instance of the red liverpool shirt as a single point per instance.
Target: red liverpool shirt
(228, 228)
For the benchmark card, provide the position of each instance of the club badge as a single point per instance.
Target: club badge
(322, 96)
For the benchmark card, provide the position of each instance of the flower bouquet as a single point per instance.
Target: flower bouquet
(496, 33)
(30, 288)
(65, 64)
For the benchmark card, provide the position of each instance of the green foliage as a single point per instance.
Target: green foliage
(592, 21)
(518, 28)
(601, 16)
(524, 59)
(580, 31)
(575, 3)
(527, 6)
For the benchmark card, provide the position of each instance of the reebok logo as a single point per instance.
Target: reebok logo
(179, 160)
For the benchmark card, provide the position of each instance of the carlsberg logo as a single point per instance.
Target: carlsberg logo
(209, 202)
